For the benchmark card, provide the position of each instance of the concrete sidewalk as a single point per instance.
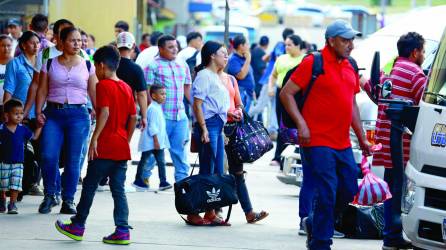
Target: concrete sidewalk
(157, 225)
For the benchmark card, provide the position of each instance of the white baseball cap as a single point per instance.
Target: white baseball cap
(125, 39)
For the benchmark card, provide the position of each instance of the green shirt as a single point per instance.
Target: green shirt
(283, 64)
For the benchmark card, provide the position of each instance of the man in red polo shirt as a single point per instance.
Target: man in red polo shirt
(324, 124)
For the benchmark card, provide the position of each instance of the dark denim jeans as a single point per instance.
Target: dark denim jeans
(69, 127)
(96, 171)
(393, 229)
(307, 190)
(145, 156)
(335, 180)
(211, 155)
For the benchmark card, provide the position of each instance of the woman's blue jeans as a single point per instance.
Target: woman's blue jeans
(67, 126)
(211, 155)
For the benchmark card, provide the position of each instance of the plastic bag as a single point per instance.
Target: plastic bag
(372, 189)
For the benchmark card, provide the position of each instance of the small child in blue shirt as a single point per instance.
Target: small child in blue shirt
(13, 136)
(154, 140)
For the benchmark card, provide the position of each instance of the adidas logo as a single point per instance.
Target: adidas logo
(213, 195)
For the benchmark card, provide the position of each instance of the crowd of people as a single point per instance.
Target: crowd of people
(64, 101)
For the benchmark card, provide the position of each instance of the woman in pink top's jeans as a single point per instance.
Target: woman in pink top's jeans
(65, 82)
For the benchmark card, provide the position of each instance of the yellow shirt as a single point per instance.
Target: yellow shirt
(283, 64)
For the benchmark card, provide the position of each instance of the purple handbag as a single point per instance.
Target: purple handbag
(248, 140)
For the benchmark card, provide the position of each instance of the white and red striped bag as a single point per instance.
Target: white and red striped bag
(372, 189)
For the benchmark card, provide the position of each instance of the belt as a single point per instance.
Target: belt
(64, 105)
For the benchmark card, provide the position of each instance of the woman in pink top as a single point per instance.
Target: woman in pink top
(65, 82)
(235, 114)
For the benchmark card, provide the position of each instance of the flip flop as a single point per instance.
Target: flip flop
(258, 217)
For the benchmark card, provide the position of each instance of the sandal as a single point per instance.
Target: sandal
(196, 220)
(202, 222)
(217, 221)
(257, 217)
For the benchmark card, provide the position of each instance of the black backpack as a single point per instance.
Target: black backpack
(192, 62)
(301, 96)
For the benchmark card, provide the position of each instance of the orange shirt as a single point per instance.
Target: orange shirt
(232, 86)
(328, 108)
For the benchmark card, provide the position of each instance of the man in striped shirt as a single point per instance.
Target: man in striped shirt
(174, 75)
(409, 82)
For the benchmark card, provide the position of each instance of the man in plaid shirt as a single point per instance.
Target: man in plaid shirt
(175, 77)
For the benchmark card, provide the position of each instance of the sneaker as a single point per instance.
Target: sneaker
(147, 181)
(164, 186)
(12, 208)
(140, 186)
(35, 191)
(274, 163)
(68, 207)
(2, 206)
(302, 231)
(397, 245)
(307, 228)
(49, 201)
(70, 230)
(338, 235)
(58, 199)
(119, 237)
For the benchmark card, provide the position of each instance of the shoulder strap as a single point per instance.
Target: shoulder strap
(232, 80)
(316, 70)
(195, 54)
(354, 64)
(46, 53)
(88, 63)
(48, 64)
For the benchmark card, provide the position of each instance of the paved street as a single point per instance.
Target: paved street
(157, 225)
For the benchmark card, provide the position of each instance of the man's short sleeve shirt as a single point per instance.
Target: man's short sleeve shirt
(328, 108)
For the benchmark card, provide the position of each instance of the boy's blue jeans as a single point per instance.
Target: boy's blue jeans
(96, 171)
(335, 181)
(67, 126)
(145, 156)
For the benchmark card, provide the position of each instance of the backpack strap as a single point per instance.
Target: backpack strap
(354, 64)
(88, 63)
(46, 53)
(48, 64)
(316, 70)
(194, 55)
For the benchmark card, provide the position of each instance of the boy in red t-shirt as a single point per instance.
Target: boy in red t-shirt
(109, 149)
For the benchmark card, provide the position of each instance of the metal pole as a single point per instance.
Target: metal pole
(45, 7)
(429, 3)
(383, 12)
(414, 4)
(226, 36)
